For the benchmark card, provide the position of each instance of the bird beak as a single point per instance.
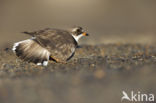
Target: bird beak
(85, 34)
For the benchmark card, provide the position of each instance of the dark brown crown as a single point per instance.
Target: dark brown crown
(77, 30)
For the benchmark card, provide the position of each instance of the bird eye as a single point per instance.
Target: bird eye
(78, 30)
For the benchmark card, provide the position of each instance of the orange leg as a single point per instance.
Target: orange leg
(58, 61)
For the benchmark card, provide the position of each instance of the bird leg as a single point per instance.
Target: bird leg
(57, 60)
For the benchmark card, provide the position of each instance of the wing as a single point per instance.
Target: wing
(36, 32)
(59, 43)
(31, 51)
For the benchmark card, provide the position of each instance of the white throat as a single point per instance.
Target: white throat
(77, 37)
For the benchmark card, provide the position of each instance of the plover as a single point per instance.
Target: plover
(49, 44)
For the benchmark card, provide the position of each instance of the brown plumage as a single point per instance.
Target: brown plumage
(46, 44)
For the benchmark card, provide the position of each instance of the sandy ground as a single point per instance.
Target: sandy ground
(96, 74)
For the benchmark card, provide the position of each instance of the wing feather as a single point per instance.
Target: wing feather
(31, 51)
(59, 43)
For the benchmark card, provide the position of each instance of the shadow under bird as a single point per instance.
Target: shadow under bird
(49, 44)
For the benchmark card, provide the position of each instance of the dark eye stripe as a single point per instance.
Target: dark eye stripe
(78, 30)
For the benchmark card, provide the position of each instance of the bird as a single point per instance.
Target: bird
(48, 44)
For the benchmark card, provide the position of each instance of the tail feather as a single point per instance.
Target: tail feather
(31, 51)
(29, 33)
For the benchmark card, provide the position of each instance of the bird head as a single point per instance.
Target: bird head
(78, 32)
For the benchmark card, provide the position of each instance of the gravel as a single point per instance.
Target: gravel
(96, 74)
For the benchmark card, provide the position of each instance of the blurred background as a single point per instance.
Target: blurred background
(108, 21)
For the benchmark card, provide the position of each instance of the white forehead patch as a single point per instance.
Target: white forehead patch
(75, 29)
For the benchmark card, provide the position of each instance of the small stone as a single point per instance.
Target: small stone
(99, 74)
